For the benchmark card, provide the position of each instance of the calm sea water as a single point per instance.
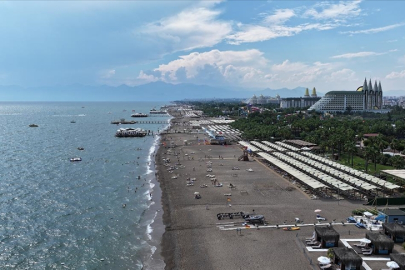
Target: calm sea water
(57, 214)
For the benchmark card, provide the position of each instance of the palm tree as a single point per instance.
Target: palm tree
(394, 144)
(350, 147)
(371, 152)
(398, 162)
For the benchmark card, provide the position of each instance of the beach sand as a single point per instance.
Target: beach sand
(193, 238)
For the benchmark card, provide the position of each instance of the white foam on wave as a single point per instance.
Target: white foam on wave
(149, 231)
(151, 158)
(149, 228)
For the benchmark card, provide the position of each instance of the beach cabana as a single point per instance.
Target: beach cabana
(327, 235)
(347, 258)
(399, 258)
(394, 215)
(380, 243)
(395, 231)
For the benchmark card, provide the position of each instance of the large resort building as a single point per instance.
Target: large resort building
(300, 102)
(365, 99)
(261, 100)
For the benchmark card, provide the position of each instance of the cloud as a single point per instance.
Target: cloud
(396, 75)
(280, 16)
(192, 28)
(288, 66)
(360, 54)
(339, 11)
(256, 33)
(223, 67)
(107, 74)
(147, 77)
(275, 25)
(342, 75)
(248, 68)
(374, 30)
(303, 73)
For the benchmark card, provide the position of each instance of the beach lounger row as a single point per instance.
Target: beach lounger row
(370, 178)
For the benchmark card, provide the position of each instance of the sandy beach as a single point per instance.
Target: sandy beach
(195, 239)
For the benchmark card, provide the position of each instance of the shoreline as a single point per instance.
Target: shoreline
(195, 239)
(155, 211)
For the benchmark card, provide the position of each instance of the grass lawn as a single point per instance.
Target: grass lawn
(359, 164)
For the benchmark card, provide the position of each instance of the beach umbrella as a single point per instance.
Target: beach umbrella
(317, 210)
(365, 240)
(392, 265)
(323, 260)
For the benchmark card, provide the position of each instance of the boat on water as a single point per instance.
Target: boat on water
(33, 125)
(80, 148)
(130, 132)
(154, 111)
(75, 159)
(139, 115)
(73, 121)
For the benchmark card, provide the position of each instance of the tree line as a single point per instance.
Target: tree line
(339, 134)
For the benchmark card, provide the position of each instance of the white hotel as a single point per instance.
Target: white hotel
(365, 98)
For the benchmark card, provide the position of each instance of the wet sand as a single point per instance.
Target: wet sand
(193, 237)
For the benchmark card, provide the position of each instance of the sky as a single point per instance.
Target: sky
(330, 45)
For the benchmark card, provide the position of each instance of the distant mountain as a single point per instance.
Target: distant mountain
(158, 91)
(285, 92)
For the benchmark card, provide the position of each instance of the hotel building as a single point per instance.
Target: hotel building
(365, 98)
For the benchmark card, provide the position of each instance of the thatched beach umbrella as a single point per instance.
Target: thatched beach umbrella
(380, 242)
(395, 231)
(399, 259)
(347, 258)
(327, 235)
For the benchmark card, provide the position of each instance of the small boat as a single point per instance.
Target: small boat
(75, 159)
(130, 132)
(249, 170)
(73, 121)
(80, 148)
(291, 228)
(139, 115)
(33, 125)
(154, 111)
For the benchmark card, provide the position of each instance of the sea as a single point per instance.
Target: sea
(91, 214)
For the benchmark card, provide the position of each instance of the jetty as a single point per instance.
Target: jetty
(123, 121)
(152, 122)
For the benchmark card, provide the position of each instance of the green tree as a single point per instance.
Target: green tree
(398, 162)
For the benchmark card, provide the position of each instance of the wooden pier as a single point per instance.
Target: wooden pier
(152, 122)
